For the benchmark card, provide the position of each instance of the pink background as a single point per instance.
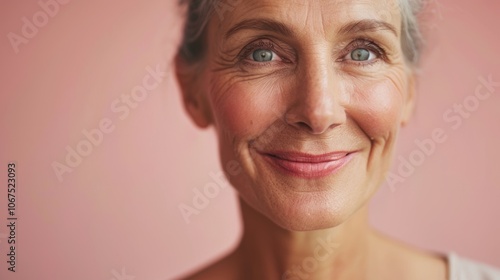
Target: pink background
(117, 212)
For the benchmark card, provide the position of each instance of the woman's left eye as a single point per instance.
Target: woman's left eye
(362, 54)
(262, 55)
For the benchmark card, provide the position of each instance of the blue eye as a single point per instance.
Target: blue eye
(262, 55)
(360, 54)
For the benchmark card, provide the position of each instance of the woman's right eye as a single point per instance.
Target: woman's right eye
(262, 55)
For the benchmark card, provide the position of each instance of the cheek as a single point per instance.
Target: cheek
(244, 109)
(377, 108)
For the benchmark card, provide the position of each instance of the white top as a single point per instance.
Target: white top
(464, 269)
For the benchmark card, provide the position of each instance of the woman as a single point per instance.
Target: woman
(307, 98)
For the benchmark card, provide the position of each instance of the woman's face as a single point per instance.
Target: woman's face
(308, 98)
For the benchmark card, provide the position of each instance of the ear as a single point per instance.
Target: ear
(410, 98)
(193, 92)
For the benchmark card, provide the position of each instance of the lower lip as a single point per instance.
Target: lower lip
(308, 169)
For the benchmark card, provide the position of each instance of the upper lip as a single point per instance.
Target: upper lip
(308, 158)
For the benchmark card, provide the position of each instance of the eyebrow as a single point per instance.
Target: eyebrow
(360, 26)
(260, 24)
(367, 25)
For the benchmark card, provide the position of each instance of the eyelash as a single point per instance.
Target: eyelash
(357, 43)
(368, 44)
(247, 50)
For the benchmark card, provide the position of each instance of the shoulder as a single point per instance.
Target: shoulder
(408, 262)
(225, 268)
(461, 268)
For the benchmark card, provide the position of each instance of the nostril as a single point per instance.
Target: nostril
(304, 125)
(313, 128)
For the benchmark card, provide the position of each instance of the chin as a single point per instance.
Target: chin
(306, 211)
(305, 204)
(313, 211)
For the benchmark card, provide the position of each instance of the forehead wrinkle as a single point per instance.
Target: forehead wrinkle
(313, 18)
(362, 17)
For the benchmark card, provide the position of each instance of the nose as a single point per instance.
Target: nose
(316, 106)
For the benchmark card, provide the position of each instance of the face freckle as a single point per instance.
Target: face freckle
(307, 105)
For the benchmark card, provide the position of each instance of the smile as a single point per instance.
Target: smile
(306, 165)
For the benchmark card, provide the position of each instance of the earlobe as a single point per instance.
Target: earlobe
(198, 112)
(193, 97)
(410, 99)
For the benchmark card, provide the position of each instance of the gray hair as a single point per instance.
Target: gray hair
(200, 12)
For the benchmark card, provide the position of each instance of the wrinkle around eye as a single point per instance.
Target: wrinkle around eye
(223, 89)
(243, 48)
(225, 59)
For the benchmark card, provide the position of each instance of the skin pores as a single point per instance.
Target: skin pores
(309, 94)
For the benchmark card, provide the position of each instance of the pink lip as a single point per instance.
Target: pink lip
(306, 165)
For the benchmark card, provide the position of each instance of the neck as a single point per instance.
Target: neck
(268, 251)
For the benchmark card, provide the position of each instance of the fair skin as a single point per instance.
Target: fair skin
(307, 78)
